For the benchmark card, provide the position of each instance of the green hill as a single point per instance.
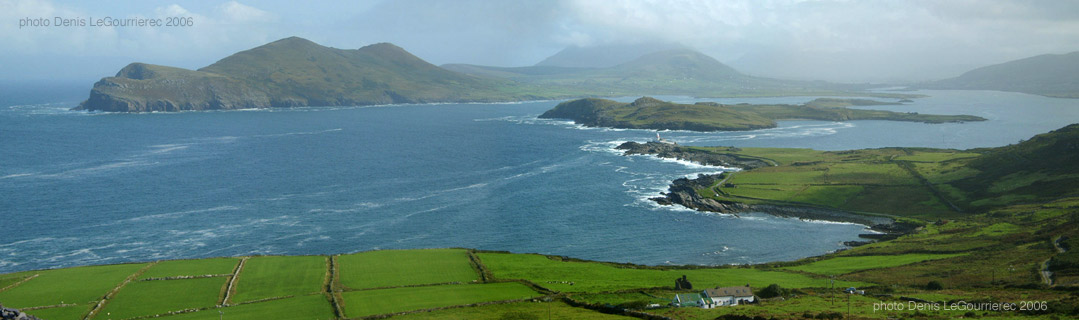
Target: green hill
(650, 113)
(294, 72)
(1043, 168)
(1054, 75)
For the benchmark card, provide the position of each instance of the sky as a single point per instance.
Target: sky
(832, 40)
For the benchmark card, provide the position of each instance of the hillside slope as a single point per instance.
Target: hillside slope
(1043, 168)
(293, 72)
(1054, 75)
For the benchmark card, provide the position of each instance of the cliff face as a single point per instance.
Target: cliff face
(141, 87)
(291, 72)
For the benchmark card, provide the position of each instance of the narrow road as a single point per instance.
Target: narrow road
(1047, 276)
(715, 189)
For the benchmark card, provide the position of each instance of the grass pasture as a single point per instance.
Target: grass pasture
(573, 276)
(517, 310)
(147, 298)
(826, 195)
(383, 301)
(308, 307)
(844, 265)
(7, 281)
(280, 276)
(199, 267)
(394, 268)
(61, 313)
(80, 285)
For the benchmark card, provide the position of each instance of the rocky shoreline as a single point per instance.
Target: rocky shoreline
(674, 151)
(683, 191)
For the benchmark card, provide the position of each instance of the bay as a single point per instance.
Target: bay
(83, 188)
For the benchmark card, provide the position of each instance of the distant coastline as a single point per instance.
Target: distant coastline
(655, 114)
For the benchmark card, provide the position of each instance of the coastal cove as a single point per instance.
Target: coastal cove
(140, 187)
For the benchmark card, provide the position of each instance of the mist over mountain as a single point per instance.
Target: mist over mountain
(1053, 75)
(604, 56)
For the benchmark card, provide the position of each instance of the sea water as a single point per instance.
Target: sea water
(80, 188)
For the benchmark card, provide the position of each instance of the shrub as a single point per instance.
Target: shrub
(934, 285)
(771, 291)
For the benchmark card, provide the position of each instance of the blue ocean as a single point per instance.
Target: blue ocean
(80, 188)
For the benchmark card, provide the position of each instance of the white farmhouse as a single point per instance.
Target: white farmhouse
(727, 296)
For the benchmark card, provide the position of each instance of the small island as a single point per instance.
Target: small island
(651, 113)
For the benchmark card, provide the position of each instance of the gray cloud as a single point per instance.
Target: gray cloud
(833, 40)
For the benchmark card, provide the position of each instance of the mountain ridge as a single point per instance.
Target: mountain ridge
(293, 72)
(1052, 75)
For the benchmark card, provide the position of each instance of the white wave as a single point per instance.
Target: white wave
(16, 175)
(357, 207)
(529, 119)
(815, 221)
(166, 148)
(603, 146)
(20, 242)
(182, 213)
(297, 133)
(309, 239)
(81, 172)
(444, 191)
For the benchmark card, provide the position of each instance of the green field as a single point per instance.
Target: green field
(309, 307)
(843, 265)
(394, 268)
(280, 276)
(871, 180)
(200, 267)
(383, 301)
(518, 310)
(81, 285)
(63, 313)
(147, 298)
(572, 276)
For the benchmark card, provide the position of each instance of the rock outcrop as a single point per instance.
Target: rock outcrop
(14, 314)
(674, 151)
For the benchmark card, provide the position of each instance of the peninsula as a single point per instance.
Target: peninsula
(295, 72)
(651, 113)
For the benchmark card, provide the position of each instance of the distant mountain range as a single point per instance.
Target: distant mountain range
(295, 72)
(679, 71)
(1053, 75)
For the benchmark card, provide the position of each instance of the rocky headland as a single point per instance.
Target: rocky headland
(685, 191)
(674, 151)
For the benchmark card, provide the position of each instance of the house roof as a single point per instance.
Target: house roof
(687, 298)
(729, 292)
